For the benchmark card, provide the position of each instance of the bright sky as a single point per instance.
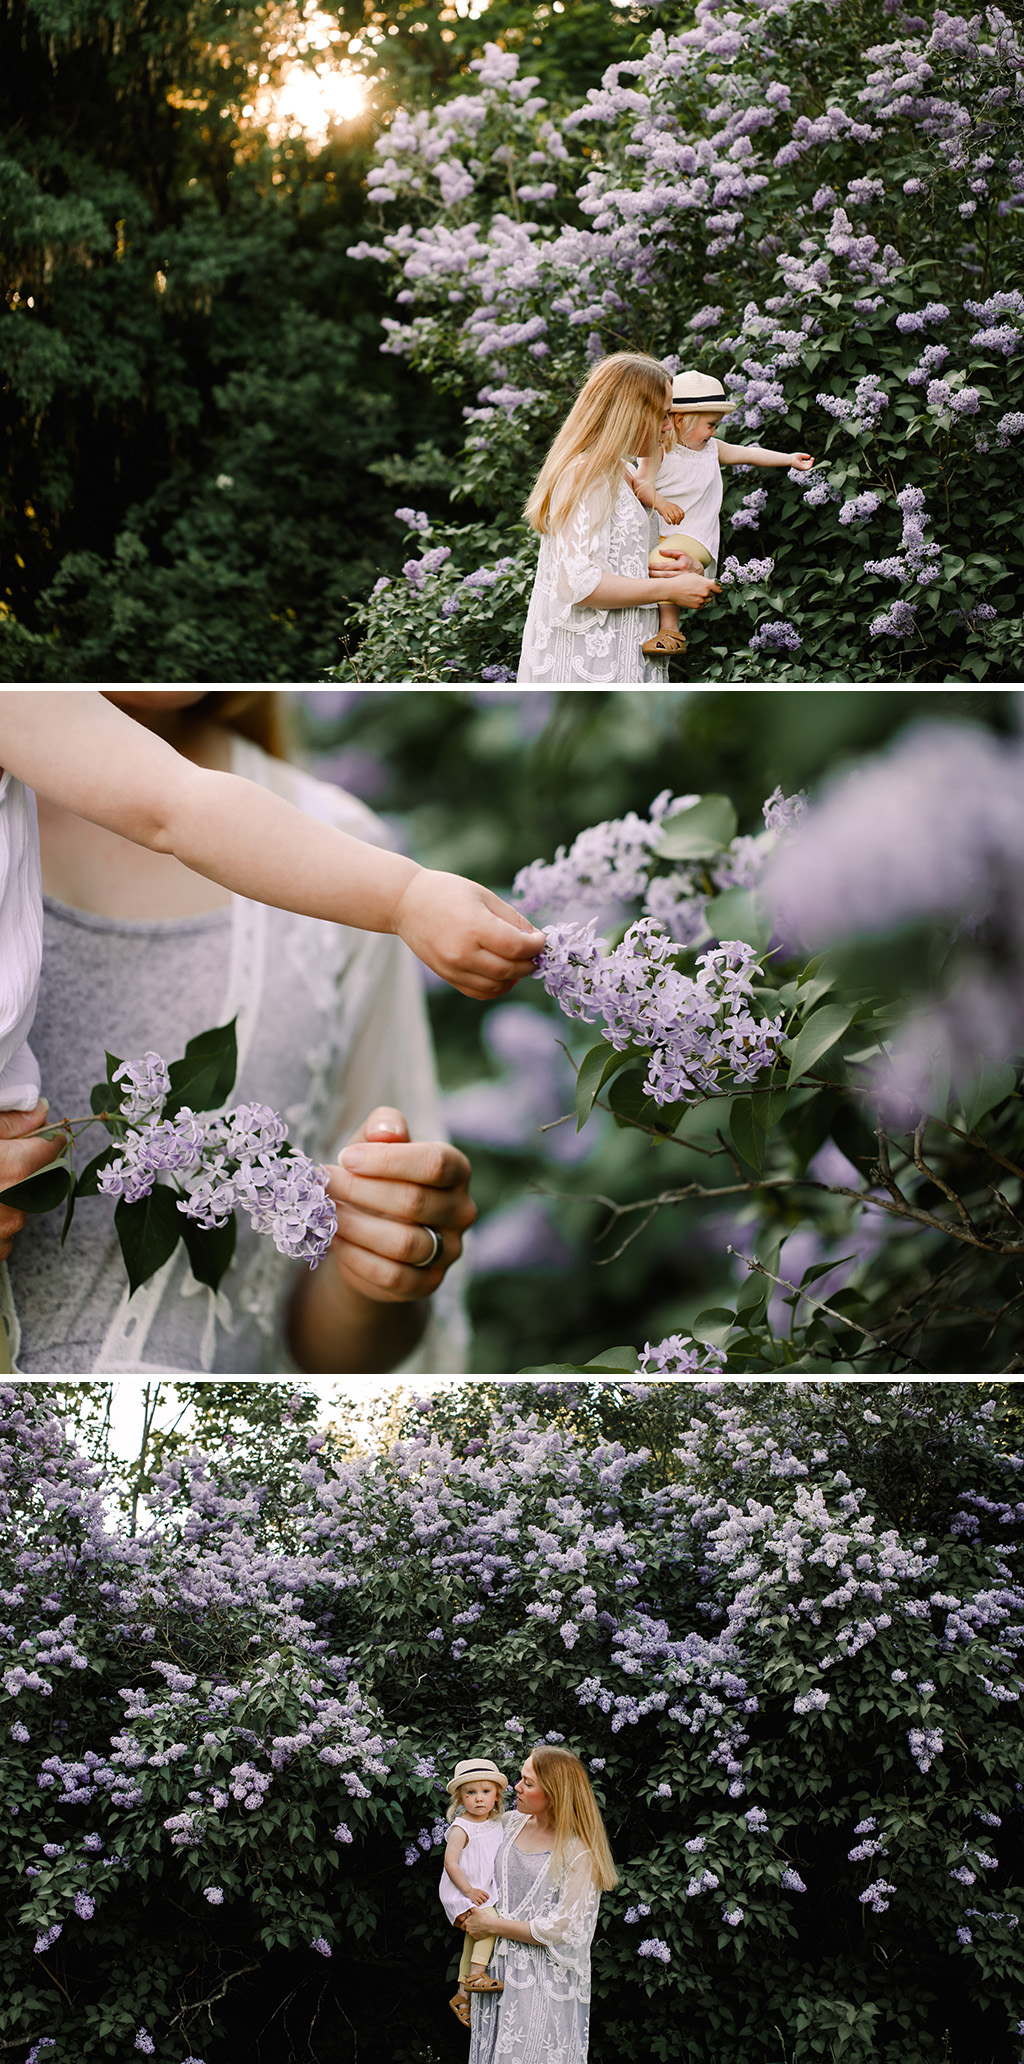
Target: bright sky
(126, 1417)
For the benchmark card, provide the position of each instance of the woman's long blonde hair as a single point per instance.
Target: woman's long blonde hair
(574, 1810)
(258, 714)
(613, 418)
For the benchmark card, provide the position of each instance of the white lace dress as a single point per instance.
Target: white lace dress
(543, 2015)
(21, 929)
(564, 642)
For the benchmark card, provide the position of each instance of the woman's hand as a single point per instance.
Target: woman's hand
(20, 1155)
(363, 1310)
(690, 590)
(478, 1922)
(387, 1189)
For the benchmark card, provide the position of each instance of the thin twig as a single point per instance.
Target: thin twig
(930, 1176)
(196, 2006)
(974, 1140)
(819, 1304)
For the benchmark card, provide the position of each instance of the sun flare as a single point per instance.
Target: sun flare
(315, 89)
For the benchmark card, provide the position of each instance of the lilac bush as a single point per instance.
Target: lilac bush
(819, 1017)
(789, 1653)
(820, 205)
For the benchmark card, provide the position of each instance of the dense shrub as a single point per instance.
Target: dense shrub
(789, 1655)
(819, 204)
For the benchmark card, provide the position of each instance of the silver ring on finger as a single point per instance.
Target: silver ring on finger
(436, 1249)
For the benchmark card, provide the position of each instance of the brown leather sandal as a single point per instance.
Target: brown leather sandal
(664, 644)
(460, 2008)
(485, 1983)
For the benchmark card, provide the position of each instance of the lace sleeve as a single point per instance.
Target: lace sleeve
(580, 552)
(567, 1927)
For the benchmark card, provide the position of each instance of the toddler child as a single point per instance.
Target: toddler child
(476, 1815)
(687, 494)
(76, 749)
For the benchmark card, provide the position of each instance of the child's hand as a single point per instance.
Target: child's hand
(479, 1897)
(671, 511)
(802, 460)
(475, 941)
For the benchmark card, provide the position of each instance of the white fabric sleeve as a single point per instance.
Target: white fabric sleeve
(581, 552)
(391, 1060)
(569, 1926)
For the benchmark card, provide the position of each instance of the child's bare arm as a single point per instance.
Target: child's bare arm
(757, 455)
(79, 751)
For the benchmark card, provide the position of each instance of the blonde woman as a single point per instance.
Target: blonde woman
(594, 601)
(552, 1867)
(141, 951)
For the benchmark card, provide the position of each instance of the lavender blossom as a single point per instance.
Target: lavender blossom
(698, 1030)
(149, 1085)
(945, 808)
(776, 637)
(678, 1357)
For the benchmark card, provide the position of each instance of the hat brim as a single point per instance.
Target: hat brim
(704, 408)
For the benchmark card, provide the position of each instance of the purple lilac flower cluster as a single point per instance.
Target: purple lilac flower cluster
(699, 1030)
(946, 809)
(220, 1163)
(615, 863)
(676, 1356)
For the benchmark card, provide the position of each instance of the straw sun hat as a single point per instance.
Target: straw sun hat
(702, 393)
(479, 1767)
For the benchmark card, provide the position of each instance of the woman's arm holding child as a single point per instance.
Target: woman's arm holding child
(80, 752)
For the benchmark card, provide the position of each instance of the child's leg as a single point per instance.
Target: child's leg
(675, 553)
(459, 2003)
(482, 1953)
(480, 1979)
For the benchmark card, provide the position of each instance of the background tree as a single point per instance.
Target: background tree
(193, 395)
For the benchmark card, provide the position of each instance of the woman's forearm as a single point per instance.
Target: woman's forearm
(332, 1330)
(619, 591)
(513, 1931)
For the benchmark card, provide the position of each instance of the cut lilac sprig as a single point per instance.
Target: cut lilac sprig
(239, 1158)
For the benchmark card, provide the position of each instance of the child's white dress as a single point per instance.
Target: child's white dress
(21, 943)
(476, 1862)
(694, 480)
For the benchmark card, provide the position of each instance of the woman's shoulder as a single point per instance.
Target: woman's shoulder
(321, 799)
